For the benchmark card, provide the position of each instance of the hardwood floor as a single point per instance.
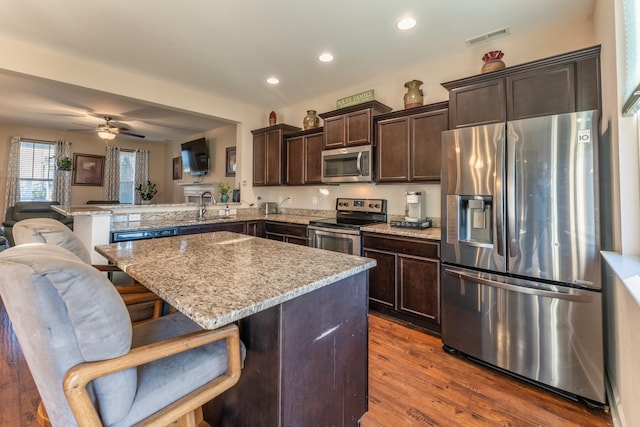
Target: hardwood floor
(412, 382)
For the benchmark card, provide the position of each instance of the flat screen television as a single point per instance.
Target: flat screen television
(195, 157)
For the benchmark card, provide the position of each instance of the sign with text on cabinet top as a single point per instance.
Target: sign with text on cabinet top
(358, 98)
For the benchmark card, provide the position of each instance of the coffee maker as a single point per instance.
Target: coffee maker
(414, 212)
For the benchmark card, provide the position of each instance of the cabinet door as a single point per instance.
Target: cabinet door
(334, 132)
(477, 104)
(255, 228)
(297, 240)
(313, 161)
(418, 280)
(236, 227)
(393, 150)
(425, 131)
(295, 161)
(274, 158)
(541, 92)
(359, 128)
(259, 159)
(382, 277)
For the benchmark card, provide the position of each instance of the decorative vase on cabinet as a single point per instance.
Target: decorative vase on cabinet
(414, 96)
(311, 120)
(492, 61)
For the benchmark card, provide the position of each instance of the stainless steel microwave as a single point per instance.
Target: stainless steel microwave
(351, 164)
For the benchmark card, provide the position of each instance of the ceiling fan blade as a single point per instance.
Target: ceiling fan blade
(137, 135)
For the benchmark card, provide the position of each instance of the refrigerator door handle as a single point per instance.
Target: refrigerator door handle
(498, 212)
(521, 289)
(511, 192)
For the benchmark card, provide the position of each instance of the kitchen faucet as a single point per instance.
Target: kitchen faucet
(201, 209)
(280, 204)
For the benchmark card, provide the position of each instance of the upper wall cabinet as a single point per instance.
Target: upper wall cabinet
(268, 154)
(408, 143)
(304, 157)
(351, 125)
(559, 84)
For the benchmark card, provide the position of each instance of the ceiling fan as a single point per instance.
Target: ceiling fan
(108, 132)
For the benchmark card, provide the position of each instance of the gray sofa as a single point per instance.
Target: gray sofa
(25, 210)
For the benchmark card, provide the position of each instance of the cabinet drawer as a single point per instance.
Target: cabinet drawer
(401, 245)
(286, 229)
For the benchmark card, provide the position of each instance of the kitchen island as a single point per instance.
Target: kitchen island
(302, 314)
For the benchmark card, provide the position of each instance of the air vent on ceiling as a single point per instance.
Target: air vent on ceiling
(488, 36)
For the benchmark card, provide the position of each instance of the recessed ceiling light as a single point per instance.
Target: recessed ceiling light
(273, 81)
(406, 24)
(326, 57)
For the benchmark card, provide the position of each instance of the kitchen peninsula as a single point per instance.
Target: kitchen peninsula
(302, 314)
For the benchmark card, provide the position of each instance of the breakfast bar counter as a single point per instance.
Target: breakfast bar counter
(302, 314)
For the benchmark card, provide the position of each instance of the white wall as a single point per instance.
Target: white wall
(389, 89)
(622, 313)
(86, 143)
(218, 139)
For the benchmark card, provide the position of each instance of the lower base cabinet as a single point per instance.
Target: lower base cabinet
(290, 233)
(406, 282)
(236, 227)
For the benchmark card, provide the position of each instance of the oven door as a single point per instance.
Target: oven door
(337, 240)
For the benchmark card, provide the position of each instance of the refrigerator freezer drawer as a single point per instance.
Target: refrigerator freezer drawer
(547, 333)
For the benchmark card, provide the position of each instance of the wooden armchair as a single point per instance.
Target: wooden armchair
(100, 370)
(47, 230)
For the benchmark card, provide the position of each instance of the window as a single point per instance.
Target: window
(127, 176)
(37, 169)
(632, 58)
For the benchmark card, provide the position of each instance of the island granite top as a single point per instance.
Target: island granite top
(218, 278)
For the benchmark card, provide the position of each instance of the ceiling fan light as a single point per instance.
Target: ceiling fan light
(106, 135)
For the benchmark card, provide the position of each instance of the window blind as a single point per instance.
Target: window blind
(36, 170)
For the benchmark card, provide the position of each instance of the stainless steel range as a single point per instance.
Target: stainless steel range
(342, 233)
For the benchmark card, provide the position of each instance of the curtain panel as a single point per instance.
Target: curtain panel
(13, 172)
(62, 179)
(112, 174)
(142, 172)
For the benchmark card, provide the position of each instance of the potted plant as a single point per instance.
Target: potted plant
(64, 163)
(147, 191)
(224, 189)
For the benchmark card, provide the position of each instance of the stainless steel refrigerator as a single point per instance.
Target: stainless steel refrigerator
(521, 284)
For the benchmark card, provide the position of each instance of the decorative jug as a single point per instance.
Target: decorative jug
(414, 96)
(492, 61)
(311, 120)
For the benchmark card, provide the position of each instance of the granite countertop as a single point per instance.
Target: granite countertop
(190, 220)
(218, 278)
(432, 233)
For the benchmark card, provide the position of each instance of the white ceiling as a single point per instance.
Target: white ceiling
(229, 48)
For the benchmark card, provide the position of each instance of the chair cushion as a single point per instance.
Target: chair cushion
(166, 380)
(47, 230)
(77, 315)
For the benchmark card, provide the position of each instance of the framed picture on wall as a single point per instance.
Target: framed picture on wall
(231, 162)
(177, 168)
(88, 169)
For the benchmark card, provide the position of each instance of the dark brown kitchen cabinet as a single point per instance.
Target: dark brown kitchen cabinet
(255, 228)
(286, 232)
(304, 157)
(269, 155)
(406, 280)
(408, 143)
(352, 125)
(236, 227)
(559, 84)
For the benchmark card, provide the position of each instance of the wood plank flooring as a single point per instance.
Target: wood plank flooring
(412, 382)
